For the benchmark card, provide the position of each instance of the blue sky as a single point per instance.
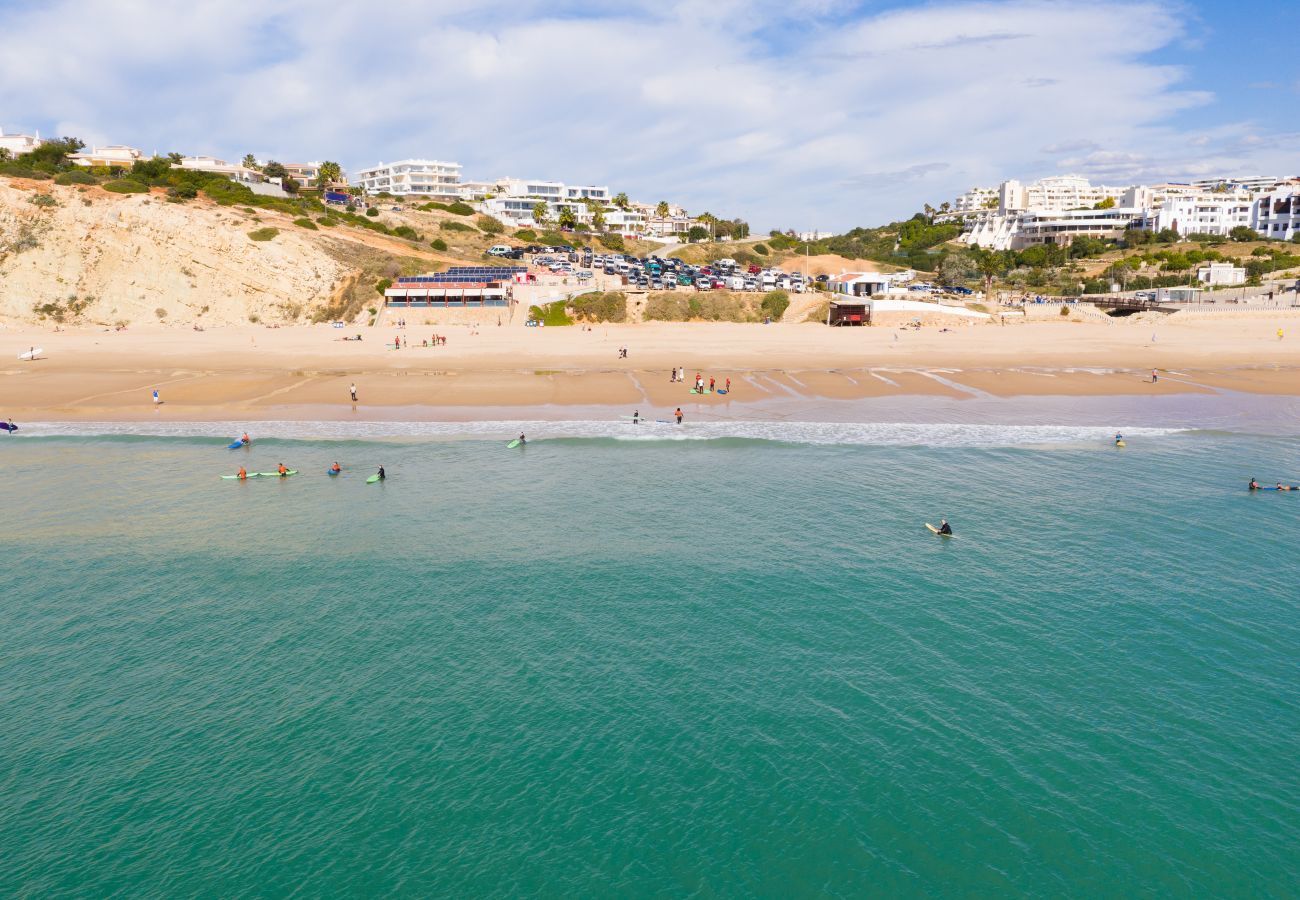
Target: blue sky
(791, 113)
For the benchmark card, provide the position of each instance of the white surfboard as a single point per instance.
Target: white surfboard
(32, 354)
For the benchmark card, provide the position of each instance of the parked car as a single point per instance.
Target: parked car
(957, 289)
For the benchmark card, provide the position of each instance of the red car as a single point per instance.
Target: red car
(754, 270)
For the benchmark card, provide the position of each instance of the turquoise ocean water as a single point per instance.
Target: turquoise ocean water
(604, 666)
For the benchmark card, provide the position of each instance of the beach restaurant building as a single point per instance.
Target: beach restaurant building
(459, 286)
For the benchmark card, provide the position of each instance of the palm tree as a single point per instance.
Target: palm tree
(568, 218)
(598, 219)
(328, 173)
(620, 200)
(540, 212)
(662, 209)
(990, 264)
(250, 161)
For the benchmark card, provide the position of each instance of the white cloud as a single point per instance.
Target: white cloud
(799, 113)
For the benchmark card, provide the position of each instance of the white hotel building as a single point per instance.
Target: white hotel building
(1056, 210)
(429, 178)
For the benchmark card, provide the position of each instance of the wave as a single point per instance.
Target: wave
(894, 434)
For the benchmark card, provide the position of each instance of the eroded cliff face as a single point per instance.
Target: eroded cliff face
(132, 258)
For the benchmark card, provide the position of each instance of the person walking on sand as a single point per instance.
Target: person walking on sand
(156, 398)
(352, 389)
(678, 414)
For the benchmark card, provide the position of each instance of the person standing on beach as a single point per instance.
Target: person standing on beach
(678, 414)
(1279, 334)
(636, 417)
(1154, 376)
(156, 398)
(728, 385)
(352, 389)
(712, 381)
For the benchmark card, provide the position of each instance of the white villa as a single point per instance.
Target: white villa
(18, 144)
(429, 178)
(114, 155)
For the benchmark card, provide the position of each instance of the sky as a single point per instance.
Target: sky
(804, 114)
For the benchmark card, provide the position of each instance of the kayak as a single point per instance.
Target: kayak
(513, 444)
(1120, 444)
(235, 446)
(722, 391)
(936, 530)
(1284, 489)
(372, 479)
(331, 472)
(5, 426)
(236, 477)
(274, 474)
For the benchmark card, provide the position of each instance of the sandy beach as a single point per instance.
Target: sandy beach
(260, 373)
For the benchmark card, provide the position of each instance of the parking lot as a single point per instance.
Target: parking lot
(655, 273)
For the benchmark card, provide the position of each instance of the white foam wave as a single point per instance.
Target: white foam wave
(825, 433)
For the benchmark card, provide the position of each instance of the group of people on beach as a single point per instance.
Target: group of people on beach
(678, 376)
(437, 340)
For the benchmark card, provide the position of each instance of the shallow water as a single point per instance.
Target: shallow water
(731, 664)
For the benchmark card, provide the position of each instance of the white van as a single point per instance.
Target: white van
(735, 282)
(499, 250)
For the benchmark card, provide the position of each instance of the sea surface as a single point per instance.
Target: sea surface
(722, 660)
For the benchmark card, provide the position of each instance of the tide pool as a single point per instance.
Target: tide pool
(615, 663)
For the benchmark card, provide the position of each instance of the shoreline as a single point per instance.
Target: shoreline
(303, 373)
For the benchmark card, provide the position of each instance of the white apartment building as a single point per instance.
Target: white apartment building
(1276, 215)
(1030, 227)
(412, 178)
(1060, 192)
(18, 144)
(1221, 273)
(1253, 183)
(1201, 213)
(114, 155)
(976, 200)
